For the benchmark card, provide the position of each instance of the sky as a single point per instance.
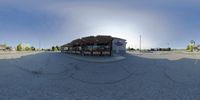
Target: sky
(161, 23)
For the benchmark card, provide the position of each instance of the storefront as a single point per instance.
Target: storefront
(95, 46)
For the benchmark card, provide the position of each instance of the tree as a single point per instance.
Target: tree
(128, 48)
(53, 48)
(188, 47)
(27, 48)
(192, 42)
(58, 48)
(19, 47)
(5, 45)
(33, 48)
(191, 46)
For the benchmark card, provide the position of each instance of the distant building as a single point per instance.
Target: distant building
(96, 46)
(198, 47)
(10, 48)
(2, 47)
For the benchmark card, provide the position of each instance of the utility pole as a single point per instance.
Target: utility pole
(140, 43)
(39, 44)
(168, 45)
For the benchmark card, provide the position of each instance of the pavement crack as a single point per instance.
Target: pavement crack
(40, 71)
(125, 69)
(164, 71)
(101, 83)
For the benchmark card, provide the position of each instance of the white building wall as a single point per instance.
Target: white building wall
(118, 46)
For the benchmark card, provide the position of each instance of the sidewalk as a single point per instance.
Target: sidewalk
(16, 54)
(97, 59)
(187, 52)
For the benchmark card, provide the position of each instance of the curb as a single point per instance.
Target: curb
(97, 60)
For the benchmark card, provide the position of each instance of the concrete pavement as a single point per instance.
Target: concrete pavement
(55, 76)
(97, 59)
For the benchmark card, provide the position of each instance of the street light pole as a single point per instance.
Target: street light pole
(168, 45)
(140, 43)
(39, 44)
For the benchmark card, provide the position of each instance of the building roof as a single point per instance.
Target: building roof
(119, 38)
(98, 40)
(91, 40)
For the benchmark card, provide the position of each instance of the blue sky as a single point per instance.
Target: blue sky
(56, 22)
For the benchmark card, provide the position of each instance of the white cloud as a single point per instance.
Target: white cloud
(113, 20)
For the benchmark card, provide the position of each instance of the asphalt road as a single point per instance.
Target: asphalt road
(55, 76)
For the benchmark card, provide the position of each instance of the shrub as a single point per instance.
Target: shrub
(27, 49)
(19, 47)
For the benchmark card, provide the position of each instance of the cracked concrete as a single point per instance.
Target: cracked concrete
(55, 76)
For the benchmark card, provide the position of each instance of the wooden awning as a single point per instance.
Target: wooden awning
(90, 40)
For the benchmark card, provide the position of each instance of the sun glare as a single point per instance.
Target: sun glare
(125, 31)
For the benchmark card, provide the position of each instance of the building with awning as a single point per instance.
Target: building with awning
(95, 46)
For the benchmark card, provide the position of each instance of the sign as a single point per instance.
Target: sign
(118, 43)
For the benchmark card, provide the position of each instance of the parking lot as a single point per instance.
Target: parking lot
(56, 76)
